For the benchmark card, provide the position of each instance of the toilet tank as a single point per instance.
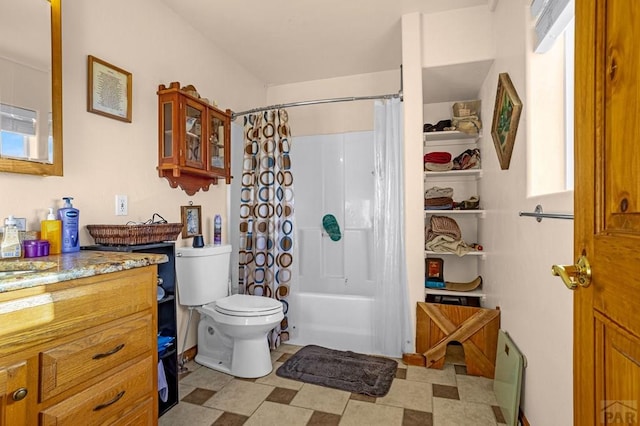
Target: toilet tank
(202, 274)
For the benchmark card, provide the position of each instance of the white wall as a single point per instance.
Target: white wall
(536, 308)
(104, 157)
(334, 117)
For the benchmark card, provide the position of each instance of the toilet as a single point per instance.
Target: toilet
(232, 332)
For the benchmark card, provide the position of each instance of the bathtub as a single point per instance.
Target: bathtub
(342, 322)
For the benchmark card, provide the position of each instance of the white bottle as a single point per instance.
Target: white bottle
(10, 240)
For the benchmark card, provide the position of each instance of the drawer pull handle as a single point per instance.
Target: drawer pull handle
(106, 404)
(109, 353)
(20, 394)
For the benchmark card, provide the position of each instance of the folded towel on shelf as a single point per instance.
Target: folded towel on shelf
(438, 167)
(437, 192)
(164, 342)
(431, 283)
(438, 157)
(448, 244)
(439, 201)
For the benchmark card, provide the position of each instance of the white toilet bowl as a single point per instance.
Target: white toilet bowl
(232, 334)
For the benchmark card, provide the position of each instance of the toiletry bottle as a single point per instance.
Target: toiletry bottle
(51, 230)
(10, 246)
(70, 218)
(217, 230)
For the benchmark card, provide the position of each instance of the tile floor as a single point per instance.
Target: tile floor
(418, 396)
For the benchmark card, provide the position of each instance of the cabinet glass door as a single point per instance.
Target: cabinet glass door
(193, 154)
(216, 142)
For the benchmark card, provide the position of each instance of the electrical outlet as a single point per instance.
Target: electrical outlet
(122, 205)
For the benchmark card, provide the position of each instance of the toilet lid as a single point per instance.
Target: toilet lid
(248, 306)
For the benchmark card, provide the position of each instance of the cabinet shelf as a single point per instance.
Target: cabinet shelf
(450, 135)
(444, 292)
(429, 253)
(480, 213)
(454, 173)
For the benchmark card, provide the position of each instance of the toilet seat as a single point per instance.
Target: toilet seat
(242, 305)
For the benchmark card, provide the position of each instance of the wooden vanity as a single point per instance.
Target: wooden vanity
(78, 342)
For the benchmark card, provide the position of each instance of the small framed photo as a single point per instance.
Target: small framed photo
(109, 90)
(191, 221)
(506, 115)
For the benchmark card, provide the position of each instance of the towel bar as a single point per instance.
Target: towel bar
(539, 215)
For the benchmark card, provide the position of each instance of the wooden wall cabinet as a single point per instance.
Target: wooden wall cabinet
(194, 140)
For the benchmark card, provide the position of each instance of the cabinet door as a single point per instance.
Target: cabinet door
(14, 394)
(217, 143)
(195, 128)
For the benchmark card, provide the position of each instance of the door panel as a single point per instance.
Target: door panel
(607, 212)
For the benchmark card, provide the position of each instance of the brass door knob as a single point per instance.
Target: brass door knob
(574, 275)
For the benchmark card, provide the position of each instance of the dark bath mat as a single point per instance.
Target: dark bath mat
(344, 370)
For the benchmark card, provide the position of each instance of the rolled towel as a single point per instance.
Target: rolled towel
(438, 167)
(438, 157)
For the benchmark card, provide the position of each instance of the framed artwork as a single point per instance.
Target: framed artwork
(435, 268)
(109, 90)
(506, 115)
(191, 221)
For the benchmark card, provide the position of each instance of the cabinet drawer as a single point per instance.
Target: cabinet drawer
(75, 362)
(71, 306)
(141, 415)
(112, 398)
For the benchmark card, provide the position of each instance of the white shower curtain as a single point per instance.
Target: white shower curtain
(392, 324)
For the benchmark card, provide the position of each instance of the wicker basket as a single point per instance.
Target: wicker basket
(130, 235)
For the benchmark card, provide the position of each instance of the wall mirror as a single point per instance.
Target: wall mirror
(31, 87)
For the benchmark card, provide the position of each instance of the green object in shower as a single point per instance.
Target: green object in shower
(330, 224)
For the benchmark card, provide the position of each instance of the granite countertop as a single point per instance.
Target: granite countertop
(70, 266)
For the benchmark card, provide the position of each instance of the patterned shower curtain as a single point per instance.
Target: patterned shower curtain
(266, 213)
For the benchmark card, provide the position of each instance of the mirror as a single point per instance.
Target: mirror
(31, 87)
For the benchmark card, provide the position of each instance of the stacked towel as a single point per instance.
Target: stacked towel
(436, 198)
(438, 161)
(443, 235)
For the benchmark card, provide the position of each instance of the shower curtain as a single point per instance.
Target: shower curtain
(266, 213)
(392, 324)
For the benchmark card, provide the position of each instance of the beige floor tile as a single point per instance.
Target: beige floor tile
(290, 349)
(207, 378)
(274, 414)
(275, 355)
(240, 397)
(360, 413)
(476, 389)
(184, 389)
(273, 379)
(446, 376)
(449, 412)
(321, 398)
(185, 414)
(408, 394)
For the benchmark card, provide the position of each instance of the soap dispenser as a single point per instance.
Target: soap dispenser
(10, 246)
(51, 230)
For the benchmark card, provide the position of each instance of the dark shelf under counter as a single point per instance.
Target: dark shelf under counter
(166, 312)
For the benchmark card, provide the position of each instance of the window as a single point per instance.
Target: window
(549, 112)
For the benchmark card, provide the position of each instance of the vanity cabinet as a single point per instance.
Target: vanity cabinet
(80, 351)
(465, 185)
(194, 140)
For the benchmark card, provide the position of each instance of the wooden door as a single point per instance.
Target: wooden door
(607, 207)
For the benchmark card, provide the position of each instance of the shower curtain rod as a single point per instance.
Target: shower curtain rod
(234, 115)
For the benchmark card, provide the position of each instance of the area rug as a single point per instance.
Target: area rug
(344, 370)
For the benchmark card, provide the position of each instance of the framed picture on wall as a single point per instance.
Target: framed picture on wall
(109, 91)
(191, 221)
(506, 115)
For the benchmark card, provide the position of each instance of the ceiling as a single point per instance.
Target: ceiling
(288, 41)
